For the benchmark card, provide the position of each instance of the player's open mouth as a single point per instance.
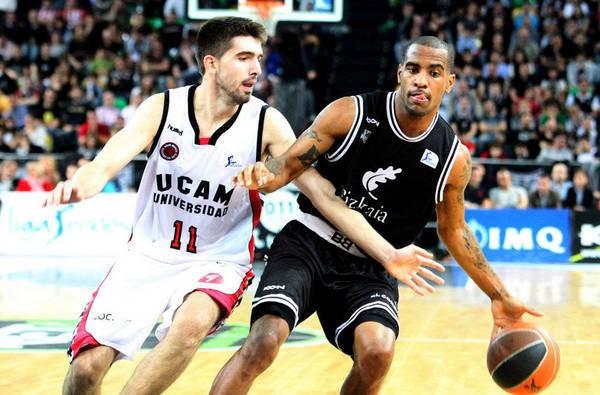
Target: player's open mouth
(248, 85)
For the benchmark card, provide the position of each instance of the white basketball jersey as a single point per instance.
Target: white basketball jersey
(187, 208)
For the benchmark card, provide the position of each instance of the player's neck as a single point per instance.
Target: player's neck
(412, 125)
(211, 108)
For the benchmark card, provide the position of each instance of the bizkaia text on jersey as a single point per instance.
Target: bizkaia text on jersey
(379, 214)
(186, 186)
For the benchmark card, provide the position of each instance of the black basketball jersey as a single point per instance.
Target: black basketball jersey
(394, 180)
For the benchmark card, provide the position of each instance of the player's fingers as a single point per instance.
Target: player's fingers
(420, 251)
(411, 284)
(495, 331)
(429, 275)
(423, 284)
(247, 174)
(260, 172)
(430, 263)
(57, 193)
(67, 192)
(534, 312)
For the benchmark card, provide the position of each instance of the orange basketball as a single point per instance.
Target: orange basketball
(523, 359)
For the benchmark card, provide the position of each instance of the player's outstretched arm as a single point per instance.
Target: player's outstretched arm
(463, 246)
(409, 264)
(118, 151)
(289, 158)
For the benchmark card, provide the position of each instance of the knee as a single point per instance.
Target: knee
(188, 334)
(261, 347)
(374, 354)
(86, 372)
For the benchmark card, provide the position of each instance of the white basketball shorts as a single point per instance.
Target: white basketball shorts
(137, 290)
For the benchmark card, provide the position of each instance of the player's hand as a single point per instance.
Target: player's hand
(507, 311)
(254, 176)
(410, 266)
(63, 192)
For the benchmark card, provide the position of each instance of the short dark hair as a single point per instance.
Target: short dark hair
(431, 42)
(214, 37)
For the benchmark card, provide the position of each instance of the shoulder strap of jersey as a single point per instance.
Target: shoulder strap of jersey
(369, 108)
(352, 133)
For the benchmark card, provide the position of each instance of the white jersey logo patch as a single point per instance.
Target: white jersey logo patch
(430, 158)
(372, 179)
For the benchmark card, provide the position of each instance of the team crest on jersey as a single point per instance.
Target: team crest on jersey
(372, 179)
(169, 151)
(430, 158)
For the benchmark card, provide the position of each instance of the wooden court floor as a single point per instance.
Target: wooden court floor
(441, 348)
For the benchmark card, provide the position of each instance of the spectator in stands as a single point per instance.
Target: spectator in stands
(34, 180)
(8, 175)
(558, 151)
(560, 180)
(75, 111)
(580, 197)
(543, 196)
(491, 125)
(476, 195)
(107, 113)
(92, 132)
(506, 195)
(135, 99)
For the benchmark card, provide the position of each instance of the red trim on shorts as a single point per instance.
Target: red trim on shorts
(82, 338)
(256, 205)
(229, 301)
(204, 140)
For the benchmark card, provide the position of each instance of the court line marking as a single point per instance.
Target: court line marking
(486, 341)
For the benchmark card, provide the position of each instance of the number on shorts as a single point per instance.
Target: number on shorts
(176, 242)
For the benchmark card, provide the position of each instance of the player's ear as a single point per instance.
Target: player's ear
(398, 73)
(451, 81)
(210, 64)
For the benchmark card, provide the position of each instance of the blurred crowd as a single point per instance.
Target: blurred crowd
(72, 73)
(527, 88)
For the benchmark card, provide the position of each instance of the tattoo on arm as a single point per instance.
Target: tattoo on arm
(311, 134)
(479, 260)
(309, 156)
(275, 165)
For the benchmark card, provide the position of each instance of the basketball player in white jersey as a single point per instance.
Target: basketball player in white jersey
(191, 247)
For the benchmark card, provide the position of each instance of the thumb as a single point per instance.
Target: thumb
(421, 251)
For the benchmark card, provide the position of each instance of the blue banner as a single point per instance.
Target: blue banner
(522, 236)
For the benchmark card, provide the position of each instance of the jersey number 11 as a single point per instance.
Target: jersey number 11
(176, 242)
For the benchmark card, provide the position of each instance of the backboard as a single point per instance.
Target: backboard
(291, 10)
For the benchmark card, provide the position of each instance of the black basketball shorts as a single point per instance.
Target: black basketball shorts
(306, 274)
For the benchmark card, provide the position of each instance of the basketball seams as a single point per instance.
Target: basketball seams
(508, 357)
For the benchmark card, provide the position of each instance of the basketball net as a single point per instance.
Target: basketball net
(264, 12)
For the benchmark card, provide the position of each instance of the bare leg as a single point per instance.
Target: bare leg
(87, 371)
(373, 354)
(161, 367)
(257, 353)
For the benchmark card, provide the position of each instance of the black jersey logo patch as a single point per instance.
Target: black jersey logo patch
(430, 158)
(372, 179)
(169, 151)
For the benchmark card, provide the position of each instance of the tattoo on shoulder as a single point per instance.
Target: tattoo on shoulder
(275, 165)
(311, 134)
(309, 156)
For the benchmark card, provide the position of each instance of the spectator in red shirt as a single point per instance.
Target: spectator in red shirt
(93, 127)
(34, 181)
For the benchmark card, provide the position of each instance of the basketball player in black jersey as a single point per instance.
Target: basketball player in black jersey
(393, 159)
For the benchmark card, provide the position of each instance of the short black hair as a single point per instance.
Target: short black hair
(214, 37)
(431, 42)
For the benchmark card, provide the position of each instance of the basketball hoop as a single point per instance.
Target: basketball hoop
(264, 11)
